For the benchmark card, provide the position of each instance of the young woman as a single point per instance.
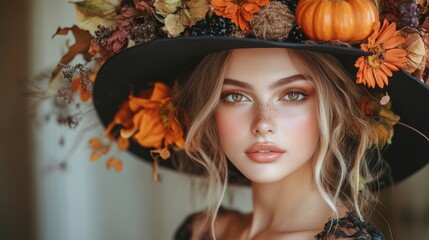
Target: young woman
(231, 92)
(290, 122)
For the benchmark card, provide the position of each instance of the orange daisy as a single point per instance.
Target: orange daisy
(239, 11)
(386, 57)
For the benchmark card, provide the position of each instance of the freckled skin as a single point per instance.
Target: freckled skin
(267, 117)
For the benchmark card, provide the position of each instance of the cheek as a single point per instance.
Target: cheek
(229, 125)
(303, 132)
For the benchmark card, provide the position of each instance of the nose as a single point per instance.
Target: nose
(264, 121)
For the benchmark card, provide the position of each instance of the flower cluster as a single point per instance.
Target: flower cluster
(147, 118)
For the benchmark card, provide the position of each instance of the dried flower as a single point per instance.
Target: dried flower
(273, 22)
(64, 95)
(144, 32)
(179, 14)
(240, 12)
(69, 120)
(381, 120)
(118, 40)
(416, 51)
(385, 58)
(83, 84)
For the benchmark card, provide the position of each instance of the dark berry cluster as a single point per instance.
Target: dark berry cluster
(213, 26)
(409, 14)
(296, 34)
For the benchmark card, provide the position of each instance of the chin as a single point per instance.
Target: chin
(264, 174)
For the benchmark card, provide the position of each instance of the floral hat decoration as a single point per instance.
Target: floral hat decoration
(135, 50)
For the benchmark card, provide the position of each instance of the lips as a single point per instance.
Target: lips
(264, 152)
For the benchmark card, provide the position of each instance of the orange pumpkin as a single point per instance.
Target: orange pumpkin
(343, 20)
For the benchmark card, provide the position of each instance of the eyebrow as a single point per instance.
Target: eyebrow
(273, 85)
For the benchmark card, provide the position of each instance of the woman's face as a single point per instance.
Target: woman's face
(267, 115)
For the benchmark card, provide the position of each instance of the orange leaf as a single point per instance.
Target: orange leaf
(95, 156)
(83, 41)
(114, 163)
(95, 143)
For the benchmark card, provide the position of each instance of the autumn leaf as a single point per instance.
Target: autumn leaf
(174, 25)
(91, 13)
(198, 9)
(99, 149)
(83, 40)
(186, 18)
(95, 156)
(381, 120)
(114, 163)
(383, 131)
(95, 143)
(166, 7)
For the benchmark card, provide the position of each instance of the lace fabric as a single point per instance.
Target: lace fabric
(349, 227)
(345, 228)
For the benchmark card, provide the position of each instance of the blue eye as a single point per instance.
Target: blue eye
(235, 98)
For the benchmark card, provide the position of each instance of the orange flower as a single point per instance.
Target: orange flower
(239, 11)
(386, 57)
(148, 118)
(124, 118)
(76, 85)
(157, 126)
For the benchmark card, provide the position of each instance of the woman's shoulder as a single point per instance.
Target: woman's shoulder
(349, 227)
(196, 226)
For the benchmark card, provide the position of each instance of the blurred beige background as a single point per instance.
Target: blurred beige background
(48, 194)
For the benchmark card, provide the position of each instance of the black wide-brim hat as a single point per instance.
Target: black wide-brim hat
(164, 59)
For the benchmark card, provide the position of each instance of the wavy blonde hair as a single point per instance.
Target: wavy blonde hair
(341, 161)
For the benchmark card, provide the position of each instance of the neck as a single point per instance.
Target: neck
(292, 204)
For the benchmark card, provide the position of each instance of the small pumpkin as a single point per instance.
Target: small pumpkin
(343, 20)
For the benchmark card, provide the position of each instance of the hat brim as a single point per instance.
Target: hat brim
(164, 59)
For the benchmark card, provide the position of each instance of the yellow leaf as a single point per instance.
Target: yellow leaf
(388, 116)
(166, 7)
(174, 25)
(186, 18)
(91, 13)
(198, 9)
(95, 156)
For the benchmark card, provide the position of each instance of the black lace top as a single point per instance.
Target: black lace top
(345, 228)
